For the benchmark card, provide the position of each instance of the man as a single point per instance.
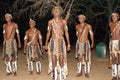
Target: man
(10, 45)
(57, 27)
(82, 46)
(115, 45)
(33, 47)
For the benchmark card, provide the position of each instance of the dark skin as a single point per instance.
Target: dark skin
(57, 34)
(84, 36)
(30, 33)
(10, 32)
(115, 35)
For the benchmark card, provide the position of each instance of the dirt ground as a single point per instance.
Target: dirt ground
(99, 69)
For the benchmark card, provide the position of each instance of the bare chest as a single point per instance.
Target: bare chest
(57, 26)
(32, 34)
(82, 29)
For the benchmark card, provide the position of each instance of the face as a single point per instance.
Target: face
(32, 24)
(8, 18)
(81, 19)
(56, 11)
(115, 18)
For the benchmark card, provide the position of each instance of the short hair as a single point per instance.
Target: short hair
(115, 14)
(81, 15)
(61, 11)
(7, 14)
(31, 20)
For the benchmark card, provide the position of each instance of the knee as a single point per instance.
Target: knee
(61, 57)
(80, 58)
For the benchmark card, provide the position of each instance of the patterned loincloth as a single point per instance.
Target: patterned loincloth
(57, 47)
(114, 47)
(9, 49)
(83, 49)
(33, 51)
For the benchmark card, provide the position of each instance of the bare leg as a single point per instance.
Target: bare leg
(62, 70)
(38, 66)
(79, 65)
(30, 66)
(14, 65)
(8, 65)
(54, 65)
(118, 66)
(114, 67)
(86, 66)
(61, 62)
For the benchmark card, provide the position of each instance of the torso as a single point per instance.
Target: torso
(57, 29)
(33, 35)
(10, 30)
(84, 36)
(115, 30)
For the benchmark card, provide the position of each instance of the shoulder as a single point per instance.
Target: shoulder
(4, 25)
(50, 21)
(77, 25)
(27, 32)
(64, 21)
(110, 24)
(15, 24)
(88, 25)
(38, 31)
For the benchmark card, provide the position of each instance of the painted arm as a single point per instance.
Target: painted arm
(40, 40)
(4, 33)
(48, 35)
(25, 42)
(76, 31)
(18, 36)
(91, 36)
(67, 36)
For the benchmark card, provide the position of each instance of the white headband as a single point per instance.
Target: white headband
(115, 14)
(8, 15)
(82, 16)
(31, 20)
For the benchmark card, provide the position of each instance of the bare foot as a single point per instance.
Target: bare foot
(79, 74)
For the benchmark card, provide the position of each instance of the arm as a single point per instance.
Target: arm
(67, 36)
(48, 34)
(91, 36)
(18, 36)
(40, 39)
(76, 31)
(4, 36)
(25, 42)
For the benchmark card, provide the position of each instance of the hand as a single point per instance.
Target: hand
(68, 47)
(42, 50)
(92, 45)
(46, 47)
(19, 45)
(25, 51)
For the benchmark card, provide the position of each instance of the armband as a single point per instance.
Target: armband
(77, 33)
(3, 31)
(48, 28)
(91, 32)
(66, 27)
(40, 36)
(17, 31)
(25, 37)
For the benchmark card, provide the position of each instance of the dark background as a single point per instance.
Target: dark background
(99, 23)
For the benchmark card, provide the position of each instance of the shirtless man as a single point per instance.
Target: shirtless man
(33, 47)
(115, 45)
(57, 27)
(82, 46)
(10, 45)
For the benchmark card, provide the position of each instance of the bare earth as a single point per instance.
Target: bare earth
(99, 69)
